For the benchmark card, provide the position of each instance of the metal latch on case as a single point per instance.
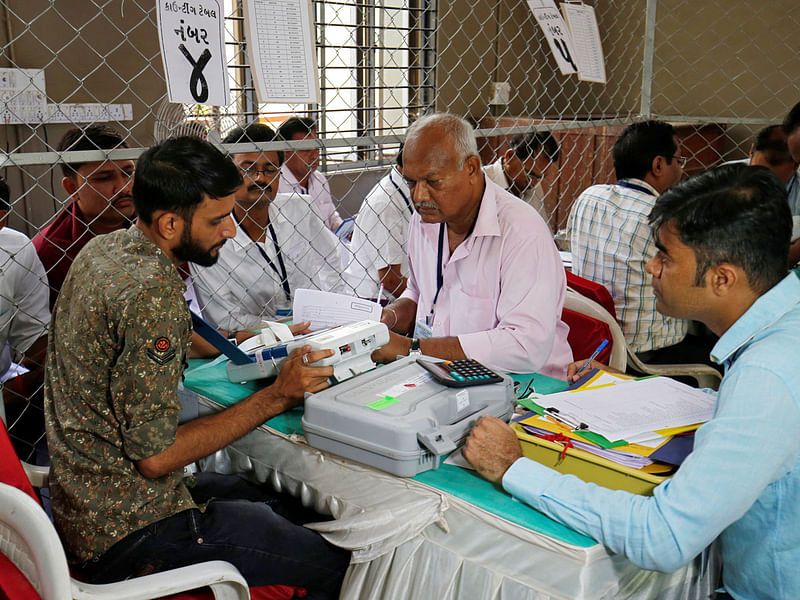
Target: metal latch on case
(436, 442)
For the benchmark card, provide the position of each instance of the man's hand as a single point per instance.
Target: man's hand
(492, 447)
(573, 374)
(298, 376)
(398, 346)
(300, 328)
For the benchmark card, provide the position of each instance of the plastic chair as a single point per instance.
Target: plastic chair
(30, 543)
(29, 540)
(576, 303)
(592, 290)
(705, 375)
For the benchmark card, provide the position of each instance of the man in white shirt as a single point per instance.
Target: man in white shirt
(24, 316)
(281, 244)
(611, 240)
(379, 262)
(521, 168)
(299, 172)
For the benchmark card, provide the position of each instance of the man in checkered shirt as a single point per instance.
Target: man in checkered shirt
(611, 240)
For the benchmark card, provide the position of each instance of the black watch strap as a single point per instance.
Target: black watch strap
(414, 345)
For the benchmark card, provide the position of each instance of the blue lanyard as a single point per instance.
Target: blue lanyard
(635, 186)
(439, 271)
(402, 193)
(282, 273)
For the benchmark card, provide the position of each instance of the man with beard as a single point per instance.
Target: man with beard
(120, 336)
(280, 244)
(101, 202)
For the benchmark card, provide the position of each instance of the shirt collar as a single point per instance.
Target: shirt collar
(767, 309)
(79, 224)
(487, 223)
(152, 248)
(498, 168)
(642, 183)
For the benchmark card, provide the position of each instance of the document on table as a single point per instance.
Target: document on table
(326, 309)
(624, 412)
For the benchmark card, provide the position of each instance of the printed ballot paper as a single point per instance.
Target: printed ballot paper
(326, 309)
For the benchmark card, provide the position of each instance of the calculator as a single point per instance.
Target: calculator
(460, 373)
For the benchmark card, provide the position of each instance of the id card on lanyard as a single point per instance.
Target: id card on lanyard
(282, 275)
(423, 328)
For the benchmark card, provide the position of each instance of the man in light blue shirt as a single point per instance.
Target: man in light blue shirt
(722, 243)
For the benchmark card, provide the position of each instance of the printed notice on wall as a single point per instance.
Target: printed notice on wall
(282, 51)
(586, 42)
(22, 96)
(555, 31)
(192, 49)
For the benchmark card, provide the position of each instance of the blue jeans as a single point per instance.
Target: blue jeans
(247, 525)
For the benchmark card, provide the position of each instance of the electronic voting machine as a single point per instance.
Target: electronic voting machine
(400, 417)
(352, 347)
(262, 356)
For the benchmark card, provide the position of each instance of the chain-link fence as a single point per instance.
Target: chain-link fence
(719, 70)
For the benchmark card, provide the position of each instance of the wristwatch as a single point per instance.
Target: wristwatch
(414, 349)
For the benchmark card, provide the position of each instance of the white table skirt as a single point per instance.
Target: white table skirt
(411, 541)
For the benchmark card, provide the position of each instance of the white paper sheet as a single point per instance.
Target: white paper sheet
(586, 43)
(621, 412)
(326, 309)
(280, 38)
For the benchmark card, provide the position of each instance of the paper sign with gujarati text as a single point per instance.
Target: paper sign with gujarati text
(192, 37)
(557, 34)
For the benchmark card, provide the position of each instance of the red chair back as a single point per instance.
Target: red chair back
(594, 291)
(11, 471)
(586, 334)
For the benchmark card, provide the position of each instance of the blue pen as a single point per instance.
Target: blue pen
(602, 345)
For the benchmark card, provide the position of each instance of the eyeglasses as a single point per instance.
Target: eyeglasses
(252, 171)
(682, 160)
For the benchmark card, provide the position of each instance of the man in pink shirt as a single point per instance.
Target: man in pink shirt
(485, 278)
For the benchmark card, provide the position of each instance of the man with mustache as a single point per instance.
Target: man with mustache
(121, 501)
(101, 202)
(485, 278)
(281, 244)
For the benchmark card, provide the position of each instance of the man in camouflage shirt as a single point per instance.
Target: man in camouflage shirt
(120, 337)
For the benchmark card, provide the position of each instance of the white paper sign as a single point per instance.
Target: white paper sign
(282, 51)
(22, 96)
(192, 39)
(586, 42)
(557, 34)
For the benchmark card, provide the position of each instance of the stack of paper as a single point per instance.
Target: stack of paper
(633, 411)
(631, 424)
(628, 459)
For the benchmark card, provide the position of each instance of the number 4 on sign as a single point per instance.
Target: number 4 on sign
(197, 78)
(563, 49)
